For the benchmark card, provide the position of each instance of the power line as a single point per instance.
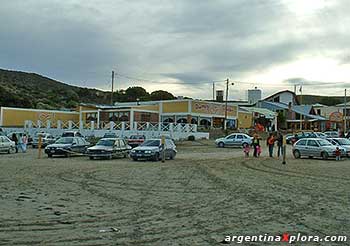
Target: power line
(167, 82)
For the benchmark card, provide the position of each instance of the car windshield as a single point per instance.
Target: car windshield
(324, 142)
(64, 141)
(151, 143)
(105, 142)
(343, 141)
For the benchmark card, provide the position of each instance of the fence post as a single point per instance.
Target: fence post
(147, 126)
(38, 125)
(195, 127)
(111, 125)
(70, 124)
(135, 126)
(48, 124)
(81, 125)
(59, 124)
(171, 127)
(92, 125)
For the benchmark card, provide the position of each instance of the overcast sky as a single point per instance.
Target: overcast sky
(181, 45)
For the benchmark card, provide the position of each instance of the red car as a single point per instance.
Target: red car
(136, 140)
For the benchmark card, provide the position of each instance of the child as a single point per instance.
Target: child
(246, 150)
(337, 154)
(258, 150)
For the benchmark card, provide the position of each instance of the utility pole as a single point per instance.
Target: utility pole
(112, 87)
(345, 114)
(301, 103)
(227, 82)
(213, 91)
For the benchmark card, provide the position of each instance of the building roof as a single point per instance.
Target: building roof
(280, 92)
(268, 113)
(300, 109)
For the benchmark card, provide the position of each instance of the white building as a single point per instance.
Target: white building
(254, 95)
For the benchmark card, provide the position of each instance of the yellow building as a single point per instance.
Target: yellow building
(16, 117)
(202, 113)
(245, 119)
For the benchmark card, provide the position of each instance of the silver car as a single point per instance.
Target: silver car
(315, 147)
(332, 134)
(7, 145)
(234, 140)
(343, 142)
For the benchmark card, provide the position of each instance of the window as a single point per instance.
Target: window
(276, 99)
(312, 143)
(145, 117)
(239, 137)
(301, 142)
(231, 137)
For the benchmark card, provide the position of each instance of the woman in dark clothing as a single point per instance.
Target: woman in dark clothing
(256, 145)
(15, 139)
(279, 144)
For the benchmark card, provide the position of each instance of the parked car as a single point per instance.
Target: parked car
(151, 150)
(301, 135)
(67, 146)
(289, 137)
(46, 139)
(343, 142)
(71, 134)
(318, 135)
(332, 134)
(110, 135)
(7, 145)
(315, 147)
(109, 148)
(136, 140)
(234, 140)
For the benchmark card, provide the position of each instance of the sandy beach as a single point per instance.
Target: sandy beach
(203, 195)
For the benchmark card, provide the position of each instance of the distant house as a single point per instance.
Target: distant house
(292, 115)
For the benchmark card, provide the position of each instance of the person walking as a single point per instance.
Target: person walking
(270, 143)
(337, 154)
(24, 143)
(15, 139)
(280, 144)
(256, 145)
(246, 150)
(20, 142)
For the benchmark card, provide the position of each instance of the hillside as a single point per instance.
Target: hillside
(30, 90)
(312, 99)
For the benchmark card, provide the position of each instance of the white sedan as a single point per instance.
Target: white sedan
(6, 145)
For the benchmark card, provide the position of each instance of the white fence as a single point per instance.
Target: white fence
(122, 129)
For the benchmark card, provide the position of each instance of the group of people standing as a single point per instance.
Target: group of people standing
(21, 142)
(270, 142)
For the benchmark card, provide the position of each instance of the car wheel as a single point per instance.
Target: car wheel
(221, 145)
(324, 155)
(296, 154)
(12, 150)
(172, 156)
(91, 157)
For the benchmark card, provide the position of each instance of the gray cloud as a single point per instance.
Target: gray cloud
(80, 42)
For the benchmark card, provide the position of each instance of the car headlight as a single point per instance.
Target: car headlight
(148, 152)
(133, 151)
